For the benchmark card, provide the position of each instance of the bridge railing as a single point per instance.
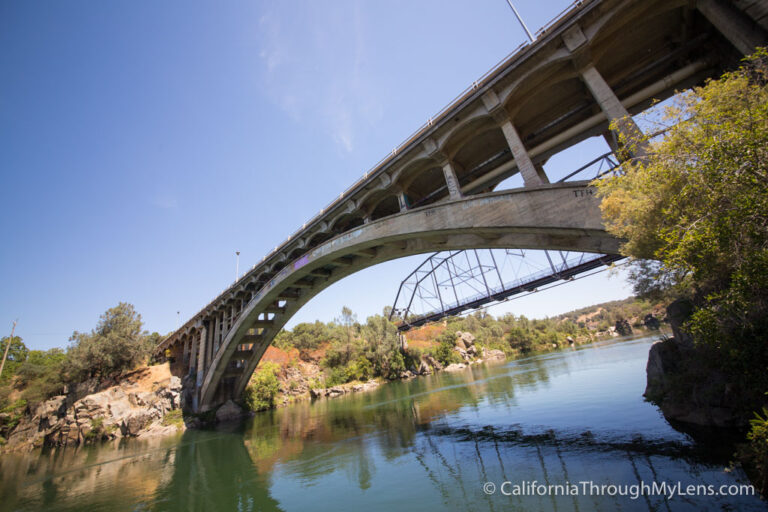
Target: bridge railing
(493, 292)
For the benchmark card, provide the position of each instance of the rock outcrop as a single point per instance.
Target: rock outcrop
(343, 389)
(134, 407)
(465, 346)
(230, 411)
(684, 387)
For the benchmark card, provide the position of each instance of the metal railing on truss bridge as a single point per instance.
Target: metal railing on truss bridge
(449, 283)
(597, 168)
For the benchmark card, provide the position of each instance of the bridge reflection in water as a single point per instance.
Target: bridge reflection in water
(429, 443)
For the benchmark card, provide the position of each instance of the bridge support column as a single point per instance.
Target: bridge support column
(626, 127)
(214, 327)
(193, 353)
(742, 32)
(201, 350)
(451, 181)
(185, 354)
(532, 175)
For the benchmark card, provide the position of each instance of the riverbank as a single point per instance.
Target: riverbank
(422, 443)
(144, 403)
(298, 375)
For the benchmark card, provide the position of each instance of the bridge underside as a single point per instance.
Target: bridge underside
(563, 216)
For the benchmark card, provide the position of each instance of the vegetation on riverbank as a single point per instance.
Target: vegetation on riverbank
(117, 344)
(694, 213)
(325, 355)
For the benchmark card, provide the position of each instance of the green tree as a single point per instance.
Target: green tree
(17, 353)
(381, 343)
(697, 206)
(117, 344)
(40, 375)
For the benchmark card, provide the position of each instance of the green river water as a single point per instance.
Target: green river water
(470, 440)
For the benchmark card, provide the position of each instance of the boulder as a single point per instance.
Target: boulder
(493, 354)
(455, 367)
(466, 338)
(682, 384)
(434, 363)
(230, 411)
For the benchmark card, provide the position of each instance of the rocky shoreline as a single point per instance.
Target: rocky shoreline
(142, 404)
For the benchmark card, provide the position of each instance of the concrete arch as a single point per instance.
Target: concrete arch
(535, 116)
(642, 36)
(559, 62)
(563, 216)
(479, 120)
(386, 206)
(426, 187)
(617, 19)
(373, 201)
(467, 131)
(345, 222)
(547, 75)
(406, 174)
(318, 238)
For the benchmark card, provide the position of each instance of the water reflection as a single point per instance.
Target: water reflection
(429, 443)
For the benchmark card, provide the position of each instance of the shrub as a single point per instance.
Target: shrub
(757, 450)
(263, 388)
(174, 417)
(444, 351)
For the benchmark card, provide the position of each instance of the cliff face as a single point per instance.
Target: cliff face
(136, 406)
(685, 386)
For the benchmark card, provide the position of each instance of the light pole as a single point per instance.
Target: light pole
(178, 319)
(520, 19)
(237, 265)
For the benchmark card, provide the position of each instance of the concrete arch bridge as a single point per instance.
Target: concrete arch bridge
(599, 61)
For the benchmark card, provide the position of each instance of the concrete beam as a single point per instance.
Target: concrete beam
(737, 27)
(610, 104)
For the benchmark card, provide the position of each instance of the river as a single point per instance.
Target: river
(471, 440)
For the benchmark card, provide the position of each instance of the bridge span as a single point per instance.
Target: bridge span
(600, 61)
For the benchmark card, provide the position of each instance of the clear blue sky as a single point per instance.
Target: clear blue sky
(142, 143)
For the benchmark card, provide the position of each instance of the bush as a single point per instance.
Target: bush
(757, 450)
(361, 369)
(174, 417)
(444, 352)
(263, 388)
(15, 411)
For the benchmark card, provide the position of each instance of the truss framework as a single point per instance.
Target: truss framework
(448, 283)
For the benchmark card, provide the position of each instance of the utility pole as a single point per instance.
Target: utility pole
(7, 346)
(237, 265)
(520, 19)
